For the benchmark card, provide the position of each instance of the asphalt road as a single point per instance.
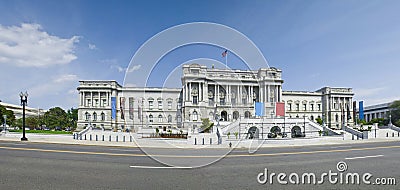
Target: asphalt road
(26, 165)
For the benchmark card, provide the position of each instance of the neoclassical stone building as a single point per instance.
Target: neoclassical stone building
(333, 105)
(206, 93)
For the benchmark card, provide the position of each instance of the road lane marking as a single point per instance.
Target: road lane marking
(161, 167)
(361, 157)
(124, 150)
(17, 144)
(72, 152)
(341, 147)
(199, 156)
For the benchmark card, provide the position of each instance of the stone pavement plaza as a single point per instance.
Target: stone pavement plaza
(137, 141)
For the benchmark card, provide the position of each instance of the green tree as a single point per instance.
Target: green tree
(395, 112)
(72, 117)
(380, 121)
(32, 122)
(10, 116)
(56, 117)
(236, 134)
(319, 120)
(206, 125)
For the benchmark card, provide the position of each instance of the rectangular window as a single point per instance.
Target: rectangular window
(222, 101)
(304, 107)
(319, 107)
(211, 101)
(312, 107)
(96, 102)
(289, 107)
(104, 102)
(89, 103)
(150, 105)
(297, 107)
(195, 100)
(169, 105)
(160, 105)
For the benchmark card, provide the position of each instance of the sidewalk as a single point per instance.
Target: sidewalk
(182, 143)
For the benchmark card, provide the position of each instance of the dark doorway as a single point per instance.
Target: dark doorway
(253, 133)
(235, 115)
(224, 116)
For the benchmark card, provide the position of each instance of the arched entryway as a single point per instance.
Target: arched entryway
(224, 116)
(296, 132)
(253, 133)
(235, 115)
(247, 114)
(274, 132)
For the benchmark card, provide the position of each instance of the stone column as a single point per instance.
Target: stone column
(205, 92)
(91, 98)
(217, 92)
(190, 91)
(228, 94)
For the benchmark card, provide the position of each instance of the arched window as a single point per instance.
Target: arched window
(247, 114)
(103, 116)
(160, 118)
(87, 116)
(151, 118)
(169, 118)
(94, 116)
(194, 116)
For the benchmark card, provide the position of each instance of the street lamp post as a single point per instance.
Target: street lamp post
(5, 122)
(390, 119)
(304, 125)
(24, 101)
(284, 125)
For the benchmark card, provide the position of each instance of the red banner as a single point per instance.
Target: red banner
(280, 109)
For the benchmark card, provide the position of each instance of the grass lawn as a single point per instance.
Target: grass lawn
(43, 132)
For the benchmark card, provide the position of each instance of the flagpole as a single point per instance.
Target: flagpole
(226, 60)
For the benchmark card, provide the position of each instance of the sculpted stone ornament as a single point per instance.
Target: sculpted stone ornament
(210, 94)
(254, 95)
(194, 91)
(233, 94)
(222, 94)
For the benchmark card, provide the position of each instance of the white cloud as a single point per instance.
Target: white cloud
(73, 91)
(122, 69)
(66, 78)
(119, 68)
(134, 68)
(92, 46)
(29, 46)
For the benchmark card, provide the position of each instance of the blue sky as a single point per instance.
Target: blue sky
(46, 47)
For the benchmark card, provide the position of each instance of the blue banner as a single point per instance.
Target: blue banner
(259, 107)
(361, 110)
(113, 107)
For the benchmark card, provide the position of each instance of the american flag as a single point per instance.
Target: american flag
(224, 53)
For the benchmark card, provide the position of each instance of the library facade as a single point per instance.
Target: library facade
(217, 94)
